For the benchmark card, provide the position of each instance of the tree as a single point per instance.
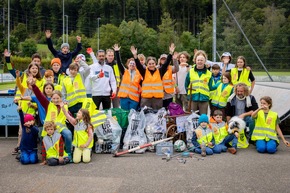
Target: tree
(28, 47)
(20, 32)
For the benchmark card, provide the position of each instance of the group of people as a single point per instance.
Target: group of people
(73, 90)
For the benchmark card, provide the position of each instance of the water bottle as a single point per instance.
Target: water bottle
(203, 149)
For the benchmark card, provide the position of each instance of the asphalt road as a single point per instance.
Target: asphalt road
(247, 171)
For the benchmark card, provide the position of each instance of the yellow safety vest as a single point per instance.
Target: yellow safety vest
(76, 90)
(98, 118)
(81, 136)
(89, 104)
(152, 85)
(265, 129)
(244, 77)
(25, 108)
(117, 74)
(212, 93)
(51, 144)
(203, 135)
(130, 89)
(199, 84)
(242, 140)
(221, 97)
(219, 132)
(58, 118)
(167, 81)
(38, 83)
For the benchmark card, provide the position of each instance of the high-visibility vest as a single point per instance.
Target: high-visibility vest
(265, 129)
(167, 81)
(81, 136)
(57, 87)
(204, 135)
(60, 79)
(98, 118)
(58, 118)
(130, 89)
(117, 74)
(26, 109)
(152, 85)
(244, 77)
(199, 84)
(219, 132)
(242, 140)
(38, 83)
(51, 144)
(212, 93)
(220, 97)
(76, 91)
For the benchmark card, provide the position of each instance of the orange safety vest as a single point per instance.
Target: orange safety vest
(130, 88)
(167, 80)
(152, 85)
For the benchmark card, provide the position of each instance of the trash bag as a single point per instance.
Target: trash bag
(190, 126)
(155, 126)
(121, 116)
(109, 134)
(135, 135)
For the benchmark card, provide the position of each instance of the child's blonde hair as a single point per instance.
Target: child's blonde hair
(48, 124)
(199, 53)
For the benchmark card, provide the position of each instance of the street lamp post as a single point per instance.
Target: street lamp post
(66, 28)
(63, 21)
(8, 31)
(99, 33)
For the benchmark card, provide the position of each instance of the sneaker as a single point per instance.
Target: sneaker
(15, 151)
(232, 150)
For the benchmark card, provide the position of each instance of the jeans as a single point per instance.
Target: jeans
(67, 136)
(209, 151)
(251, 124)
(28, 157)
(263, 146)
(230, 138)
(127, 104)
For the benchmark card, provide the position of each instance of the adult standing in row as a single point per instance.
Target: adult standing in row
(152, 87)
(103, 82)
(64, 54)
(198, 83)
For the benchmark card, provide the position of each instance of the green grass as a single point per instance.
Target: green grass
(7, 85)
(263, 73)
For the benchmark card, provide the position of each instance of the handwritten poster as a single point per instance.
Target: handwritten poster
(181, 123)
(8, 111)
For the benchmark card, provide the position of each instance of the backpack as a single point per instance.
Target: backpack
(175, 109)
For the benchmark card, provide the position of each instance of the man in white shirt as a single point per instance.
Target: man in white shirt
(103, 82)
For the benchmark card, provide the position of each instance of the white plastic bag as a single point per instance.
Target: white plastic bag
(155, 126)
(190, 126)
(135, 135)
(109, 134)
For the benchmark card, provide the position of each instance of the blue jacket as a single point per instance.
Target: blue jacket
(28, 139)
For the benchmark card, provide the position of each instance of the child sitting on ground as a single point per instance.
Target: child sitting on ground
(203, 139)
(53, 152)
(267, 128)
(83, 134)
(220, 133)
(28, 144)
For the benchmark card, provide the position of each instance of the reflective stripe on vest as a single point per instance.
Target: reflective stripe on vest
(203, 135)
(89, 104)
(51, 145)
(76, 91)
(167, 81)
(244, 77)
(199, 84)
(265, 129)
(128, 88)
(117, 74)
(220, 97)
(58, 118)
(98, 118)
(152, 85)
(219, 132)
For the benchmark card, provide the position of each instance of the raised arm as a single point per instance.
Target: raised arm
(164, 67)
(49, 43)
(72, 120)
(139, 66)
(91, 53)
(118, 57)
(175, 68)
(39, 95)
(78, 48)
